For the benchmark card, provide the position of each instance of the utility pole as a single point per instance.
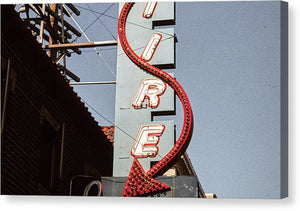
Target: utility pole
(58, 41)
(53, 24)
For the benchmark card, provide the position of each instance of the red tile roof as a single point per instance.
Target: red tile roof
(109, 131)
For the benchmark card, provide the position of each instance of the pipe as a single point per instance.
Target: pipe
(5, 96)
(94, 83)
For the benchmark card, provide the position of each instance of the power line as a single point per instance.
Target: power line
(95, 20)
(106, 49)
(97, 112)
(103, 14)
(116, 18)
(98, 18)
(88, 39)
(144, 46)
(83, 32)
(107, 119)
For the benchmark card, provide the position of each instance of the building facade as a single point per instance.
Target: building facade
(48, 136)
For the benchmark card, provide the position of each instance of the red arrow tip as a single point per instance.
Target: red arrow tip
(140, 183)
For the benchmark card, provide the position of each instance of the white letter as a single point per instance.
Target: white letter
(151, 89)
(151, 47)
(149, 9)
(146, 142)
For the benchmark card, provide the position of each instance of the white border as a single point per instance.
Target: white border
(111, 203)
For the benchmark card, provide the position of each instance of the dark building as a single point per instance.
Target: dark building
(47, 134)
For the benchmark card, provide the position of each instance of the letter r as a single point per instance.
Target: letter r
(151, 89)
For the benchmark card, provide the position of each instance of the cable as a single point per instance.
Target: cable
(108, 29)
(98, 18)
(172, 35)
(144, 46)
(103, 14)
(107, 119)
(111, 122)
(106, 49)
(83, 32)
(88, 39)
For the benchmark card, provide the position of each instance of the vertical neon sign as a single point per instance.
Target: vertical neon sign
(140, 181)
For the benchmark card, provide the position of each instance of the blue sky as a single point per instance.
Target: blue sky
(228, 63)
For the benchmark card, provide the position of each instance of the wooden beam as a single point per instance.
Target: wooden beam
(74, 9)
(69, 73)
(68, 26)
(82, 45)
(94, 83)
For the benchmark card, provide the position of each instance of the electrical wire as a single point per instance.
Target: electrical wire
(106, 49)
(98, 18)
(87, 51)
(116, 18)
(103, 14)
(97, 112)
(101, 115)
(83, 32)
(88, 39)
(144, 46)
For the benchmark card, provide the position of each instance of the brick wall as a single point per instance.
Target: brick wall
(37, 96)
